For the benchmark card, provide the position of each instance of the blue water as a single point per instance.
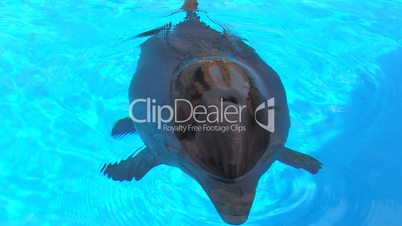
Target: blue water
(65, 67)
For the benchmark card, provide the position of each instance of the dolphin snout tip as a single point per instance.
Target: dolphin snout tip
(234, 219)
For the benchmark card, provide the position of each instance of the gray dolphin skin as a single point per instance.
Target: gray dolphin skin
(194, 62)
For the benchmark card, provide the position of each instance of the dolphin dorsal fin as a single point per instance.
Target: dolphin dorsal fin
(190, 5)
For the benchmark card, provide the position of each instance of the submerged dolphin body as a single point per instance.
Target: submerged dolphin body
(194, 62)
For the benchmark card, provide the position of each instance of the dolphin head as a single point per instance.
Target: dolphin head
(223, 92)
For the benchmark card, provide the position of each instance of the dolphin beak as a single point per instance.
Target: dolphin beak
(235, 220)
(234, 211)
(233, 201)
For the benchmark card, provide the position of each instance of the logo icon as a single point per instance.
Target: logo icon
(270, 126)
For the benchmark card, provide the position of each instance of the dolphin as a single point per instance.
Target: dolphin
(209, 71)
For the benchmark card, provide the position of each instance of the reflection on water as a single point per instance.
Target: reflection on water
(64, 71)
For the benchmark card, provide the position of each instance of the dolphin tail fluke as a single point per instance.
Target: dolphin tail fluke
(190, 5)
(299, 160)
(123, 127)
(132, 167)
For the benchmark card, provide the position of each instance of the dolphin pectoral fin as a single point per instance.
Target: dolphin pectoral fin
(123, 127)
(150, 32)
(299, 160)
(132, 167)
(153, 31)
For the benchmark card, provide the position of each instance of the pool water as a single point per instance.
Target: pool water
(65, 67)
